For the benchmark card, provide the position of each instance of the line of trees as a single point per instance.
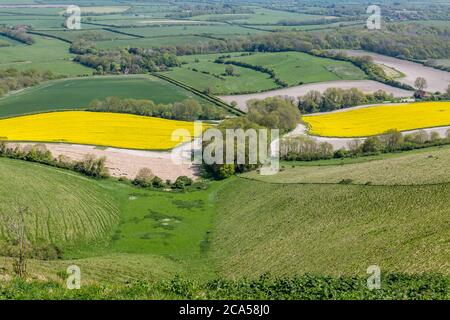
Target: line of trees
(13, 79)
(258, 68)
(18, 33)
(89, 166)
(336, 98)
(188, 109)
(122, 61)
(304, 148)
(406, 44)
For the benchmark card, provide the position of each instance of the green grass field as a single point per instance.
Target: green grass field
(403, 169)
(140, 233)
(292, 67)
(291, 229)
(45, 54)
(77, 93)
(244, 228)
(297, 67)
(260, 16)
(214, 30)
(71, 35)
(247, 81)
(63, 208)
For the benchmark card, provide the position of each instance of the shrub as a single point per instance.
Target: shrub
(144, 178)
(157, 182)
(182, 182)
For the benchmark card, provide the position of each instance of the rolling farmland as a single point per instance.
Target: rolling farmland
(78, 93)
(105, 188)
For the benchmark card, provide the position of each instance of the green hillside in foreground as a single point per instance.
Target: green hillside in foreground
(287, 229)
(64, 208)
(417, 167)
(244, 228)
(78, 93)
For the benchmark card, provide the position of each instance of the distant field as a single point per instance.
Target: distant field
(104, 9)
(247, 81)
(37, 22)
(403, 169)
(152, 42)
(71, 35)
(376, 120)
(95, 128)
(64, 208)
(45, 54)
(260, 16)
(78, 93)
(296, 67)
(293, 229)
(215, 30)
(291, 67)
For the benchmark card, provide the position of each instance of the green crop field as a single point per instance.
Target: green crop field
(45, 54)
(151, 42)
(101, 34)
(297, 67)
(176, 30)
(77, 93)
(404, 169)
(292, 67)
(63, 208)
(291, 229)
(260, 16)
(194, 72)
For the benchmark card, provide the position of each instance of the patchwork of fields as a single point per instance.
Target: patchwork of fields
(44, 54)
(322, 217)
(77, 93)
(291, 67)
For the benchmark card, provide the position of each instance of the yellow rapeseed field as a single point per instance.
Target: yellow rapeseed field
(94, 128)
(378, 119)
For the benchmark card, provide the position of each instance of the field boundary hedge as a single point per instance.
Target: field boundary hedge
(205, 96)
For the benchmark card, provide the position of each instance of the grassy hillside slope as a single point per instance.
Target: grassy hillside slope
(423, 166)
(64, 208)
(293, 229)
(141, 234)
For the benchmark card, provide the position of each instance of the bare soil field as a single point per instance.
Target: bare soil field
(367, 86)
(126, 163)
(438, 80)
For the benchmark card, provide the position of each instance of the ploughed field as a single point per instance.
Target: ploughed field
(375, 120)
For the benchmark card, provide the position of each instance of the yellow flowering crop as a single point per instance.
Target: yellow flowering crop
(378, 119)
(94, 128)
